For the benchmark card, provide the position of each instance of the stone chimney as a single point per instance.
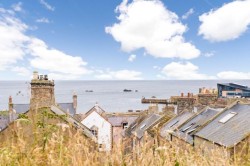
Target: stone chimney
(153, 108)
(74, 101)
(185, 103)
(11, 110)
(42, 92)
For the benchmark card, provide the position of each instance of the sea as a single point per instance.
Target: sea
(109, 95)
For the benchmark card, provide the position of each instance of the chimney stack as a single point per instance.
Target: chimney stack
(185, 103)
(42, 92)
(11, 111)
(74, 101)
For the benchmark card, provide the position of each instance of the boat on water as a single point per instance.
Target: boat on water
(127, 90)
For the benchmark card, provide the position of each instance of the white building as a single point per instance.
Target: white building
(100, 127)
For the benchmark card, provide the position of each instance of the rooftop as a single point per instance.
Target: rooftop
(191, 126)
(229, 127)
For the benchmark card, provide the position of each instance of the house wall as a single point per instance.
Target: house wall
(104, 129)
(180, 143)
(209, 147)
(207, 99)
(242, 150)
(117, 135)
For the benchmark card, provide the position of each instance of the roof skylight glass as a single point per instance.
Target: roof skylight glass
(227, 117)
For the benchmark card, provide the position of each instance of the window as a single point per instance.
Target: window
(190, 131)
(227, 117)
(174, 124)
(143, 126)
(125, 125)
(94, 131)
(100, 146)
(185, 129)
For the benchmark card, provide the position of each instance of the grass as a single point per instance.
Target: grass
(37, 140)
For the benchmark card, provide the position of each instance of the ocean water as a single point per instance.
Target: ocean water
(108, 94)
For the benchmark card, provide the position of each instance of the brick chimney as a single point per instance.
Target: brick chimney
(11, 111)
(42, 92)
(75, 101)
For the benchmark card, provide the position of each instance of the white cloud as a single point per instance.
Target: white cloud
(119, 75)
(16, 46)
(184, 71)
(46, 5)
(132, 58)
(149, 25)
(43, 20)
(22, 71)
(227, 22)
(209, 54)
(233, 75)
(54, 60)
(186, 15)
(17, 7)
(12, 39)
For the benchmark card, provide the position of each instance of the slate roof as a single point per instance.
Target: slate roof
(231, 132)
(97, 109)
(21, 108)
(73, 121)
(174, 123)
(4, 121)
(68, 107)
(118, 120)
(155, 129)
(128, 132)
(145, 124)
(191, 126)
(237, 86)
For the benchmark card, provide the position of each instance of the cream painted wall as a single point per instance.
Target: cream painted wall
(104, 129)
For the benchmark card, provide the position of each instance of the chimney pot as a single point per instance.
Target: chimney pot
(75, 101)
(182, 94)
(10, 100)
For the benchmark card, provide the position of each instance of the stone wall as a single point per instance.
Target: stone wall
(168, 108)
(206, 99)
(42, 94)
(185, 104)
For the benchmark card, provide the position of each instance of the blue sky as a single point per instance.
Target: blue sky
(125, 40)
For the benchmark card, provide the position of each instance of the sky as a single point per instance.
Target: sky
(125, 39)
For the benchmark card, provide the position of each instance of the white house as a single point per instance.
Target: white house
(100, 127)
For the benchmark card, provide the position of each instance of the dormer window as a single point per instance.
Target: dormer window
(227, 117)
(125, 125)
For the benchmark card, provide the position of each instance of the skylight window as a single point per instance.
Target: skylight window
(143, 126)
(227, 117)
(174, 124)
(190, 131)
(185, 129)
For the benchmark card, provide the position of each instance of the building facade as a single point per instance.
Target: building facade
(100, 127)
(231, 90)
